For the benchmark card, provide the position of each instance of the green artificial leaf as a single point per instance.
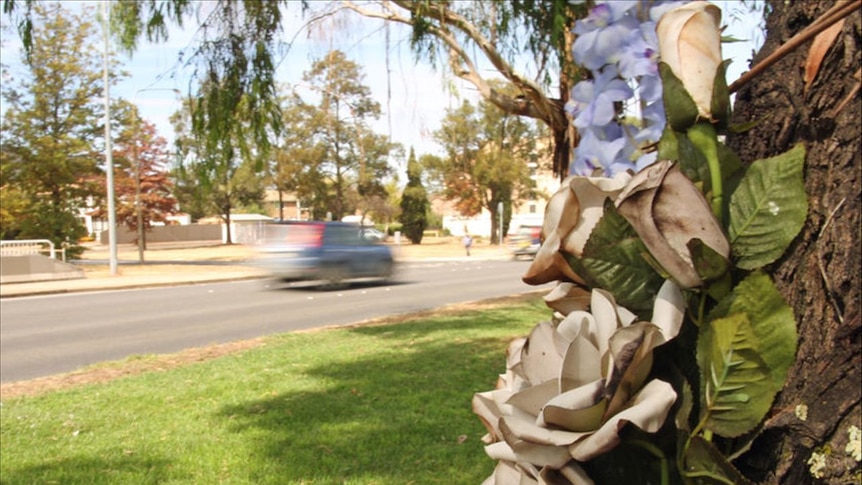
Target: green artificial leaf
(720, 102)
(736, 385)
(706, 465)
(680, 109)
(709, 264)
(685, 403)
(768, 335)
(613, 258)
(668, 145)
(772, 321)
(693, 162)
(767, 209)
(729, 160)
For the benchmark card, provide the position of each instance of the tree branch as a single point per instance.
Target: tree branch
(534, 104)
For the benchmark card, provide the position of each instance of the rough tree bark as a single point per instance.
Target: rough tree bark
(820, 274)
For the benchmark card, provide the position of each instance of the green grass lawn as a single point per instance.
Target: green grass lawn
(377, 404)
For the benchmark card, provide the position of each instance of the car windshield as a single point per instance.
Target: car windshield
(343, 236)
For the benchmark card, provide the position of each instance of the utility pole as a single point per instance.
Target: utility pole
(109, 161)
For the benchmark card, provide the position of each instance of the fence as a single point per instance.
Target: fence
(31, 246)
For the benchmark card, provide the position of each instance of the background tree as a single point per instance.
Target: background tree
(292, 168)
(486, 163)
(371, 189)
(228, 174)
(820, 275)
(234, 70)
(139, 152)
(414, 202)
(50, 131)
(351, 160)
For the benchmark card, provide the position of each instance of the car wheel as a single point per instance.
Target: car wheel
(271, 283)
(332, 277)
(388, 271)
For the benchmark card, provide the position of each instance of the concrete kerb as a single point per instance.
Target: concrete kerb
(244, 271)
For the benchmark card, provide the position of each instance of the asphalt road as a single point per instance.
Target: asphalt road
(48, 335)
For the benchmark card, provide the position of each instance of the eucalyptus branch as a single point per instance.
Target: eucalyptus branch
(539, 106)
(830, 17)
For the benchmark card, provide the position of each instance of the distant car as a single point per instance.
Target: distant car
(526, 241)
(373, 234)
(329, 252)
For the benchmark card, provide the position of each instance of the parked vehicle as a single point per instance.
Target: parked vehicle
(330, 252)
(526, 241)
(373, 234)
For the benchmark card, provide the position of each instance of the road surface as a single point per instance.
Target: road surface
(48, 335)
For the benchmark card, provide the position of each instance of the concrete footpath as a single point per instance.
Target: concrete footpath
(172, 264)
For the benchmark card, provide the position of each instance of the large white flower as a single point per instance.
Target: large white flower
(570, 217)
(690, 44)
(668, 211)
(574, 383)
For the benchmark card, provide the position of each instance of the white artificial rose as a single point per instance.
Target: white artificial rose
(573, 384)
(668, 211)
(570, 217)
(689, 39)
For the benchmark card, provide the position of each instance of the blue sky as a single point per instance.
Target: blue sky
(419, 94)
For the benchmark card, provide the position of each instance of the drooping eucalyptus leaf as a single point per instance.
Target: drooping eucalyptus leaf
(767, 209)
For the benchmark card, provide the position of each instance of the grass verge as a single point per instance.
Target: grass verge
(370, 404)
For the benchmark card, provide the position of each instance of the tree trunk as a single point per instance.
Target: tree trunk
(819, 276)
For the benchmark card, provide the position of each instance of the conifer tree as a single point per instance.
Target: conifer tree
(414, 202)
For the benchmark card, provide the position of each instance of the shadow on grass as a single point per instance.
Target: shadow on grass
(120, 468)
(399, 415)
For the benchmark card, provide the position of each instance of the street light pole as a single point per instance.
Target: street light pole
(109, 161)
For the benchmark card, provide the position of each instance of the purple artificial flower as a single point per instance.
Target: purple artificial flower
(650, 89)
(592, 102)
(654, 121)
(645, 161)
(602, 34)
(593, 152)
(640, 52)
(621, 50)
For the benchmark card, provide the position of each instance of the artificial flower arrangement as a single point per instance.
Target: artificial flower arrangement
(667, 342)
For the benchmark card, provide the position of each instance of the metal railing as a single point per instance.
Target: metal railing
(31, 246)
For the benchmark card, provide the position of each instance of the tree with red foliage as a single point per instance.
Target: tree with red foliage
(139, 151)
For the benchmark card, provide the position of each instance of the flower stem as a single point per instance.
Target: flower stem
(658, 453)
(704, 137)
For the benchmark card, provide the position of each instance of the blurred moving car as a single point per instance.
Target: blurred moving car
(526, 241)
(329, 252)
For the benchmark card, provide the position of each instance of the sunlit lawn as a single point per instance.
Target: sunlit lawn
(385, 404)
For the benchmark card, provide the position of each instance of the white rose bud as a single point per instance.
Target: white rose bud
(689, 39)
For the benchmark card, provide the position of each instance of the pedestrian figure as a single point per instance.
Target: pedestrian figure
(467, 241)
